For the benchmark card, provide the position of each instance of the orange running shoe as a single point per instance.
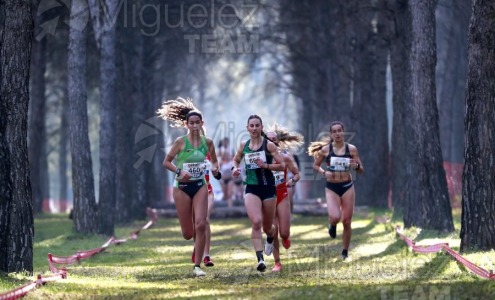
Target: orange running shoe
(286, 243)
(277, 267)
(207, 261)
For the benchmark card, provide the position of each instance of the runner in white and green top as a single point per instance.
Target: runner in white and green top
(261, 157)
(190, 191)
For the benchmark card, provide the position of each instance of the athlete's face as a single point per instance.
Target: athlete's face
(272, 136)
(254, 127)
(194, 124)
(337, 132)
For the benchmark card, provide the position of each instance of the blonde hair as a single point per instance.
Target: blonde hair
(177, 111)
(286, 139)
(315, 147)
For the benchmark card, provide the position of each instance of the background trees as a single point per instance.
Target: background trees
(385, 68)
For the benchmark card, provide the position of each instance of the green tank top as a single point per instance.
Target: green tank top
(255, 175)
(192, 159)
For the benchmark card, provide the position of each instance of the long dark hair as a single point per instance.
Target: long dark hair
(263, 134)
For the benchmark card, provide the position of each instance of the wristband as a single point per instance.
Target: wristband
(178, 171)
(232, 169)
(358, 166)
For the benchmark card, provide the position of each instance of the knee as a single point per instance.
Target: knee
(347, 222)
(269, 229)
(256, 224)
(200, 226)
(187, 235)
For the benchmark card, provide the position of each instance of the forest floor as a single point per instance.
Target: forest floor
(157, 264)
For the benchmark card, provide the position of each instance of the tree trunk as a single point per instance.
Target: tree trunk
(369, 110)
(37, 131)
(82, 171)
(108, 81)
(16, 210)
(427, 199)
(63, 146)
(478, 188)
(451, 76)
(129, 75)
(399, 26)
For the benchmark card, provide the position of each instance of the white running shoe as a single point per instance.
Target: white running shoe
(261, 266)
(268, 248)
(198, 272)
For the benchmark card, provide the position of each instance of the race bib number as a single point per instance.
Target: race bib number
(279, 177)
(251, 159)
(339, 164)
(196, 170)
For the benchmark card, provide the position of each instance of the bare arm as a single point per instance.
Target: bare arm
(280, 166)
(213, 155)
(176, 147)
(237, 160)
(292, 167)
(356, 160)
(319, 160)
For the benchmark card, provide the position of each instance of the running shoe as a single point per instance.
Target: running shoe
(332, 231)
(261, 266)
(198, 272)
(207, 261)
(286, 243)
(268, 248)
(277, 267)
(345, 254)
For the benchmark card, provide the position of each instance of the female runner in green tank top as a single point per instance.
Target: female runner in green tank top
(261, 157)
(190, 191)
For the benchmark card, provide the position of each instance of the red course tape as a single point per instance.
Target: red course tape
(445, 246)
(58, 264)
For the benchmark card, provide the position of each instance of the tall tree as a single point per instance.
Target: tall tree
(317, 39)
(478, 188)
(399, 36)
(64, 144)
(369, 112)
(427, 199)
(16, 210)
(82, 171)
(453, 23)
(37, 130)
(104, 16)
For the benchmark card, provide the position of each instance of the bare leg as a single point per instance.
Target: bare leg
(208, 229)
(200, 206)
(254, 211)
(347, 212)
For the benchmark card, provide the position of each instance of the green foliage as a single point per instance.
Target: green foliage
(157, 264)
